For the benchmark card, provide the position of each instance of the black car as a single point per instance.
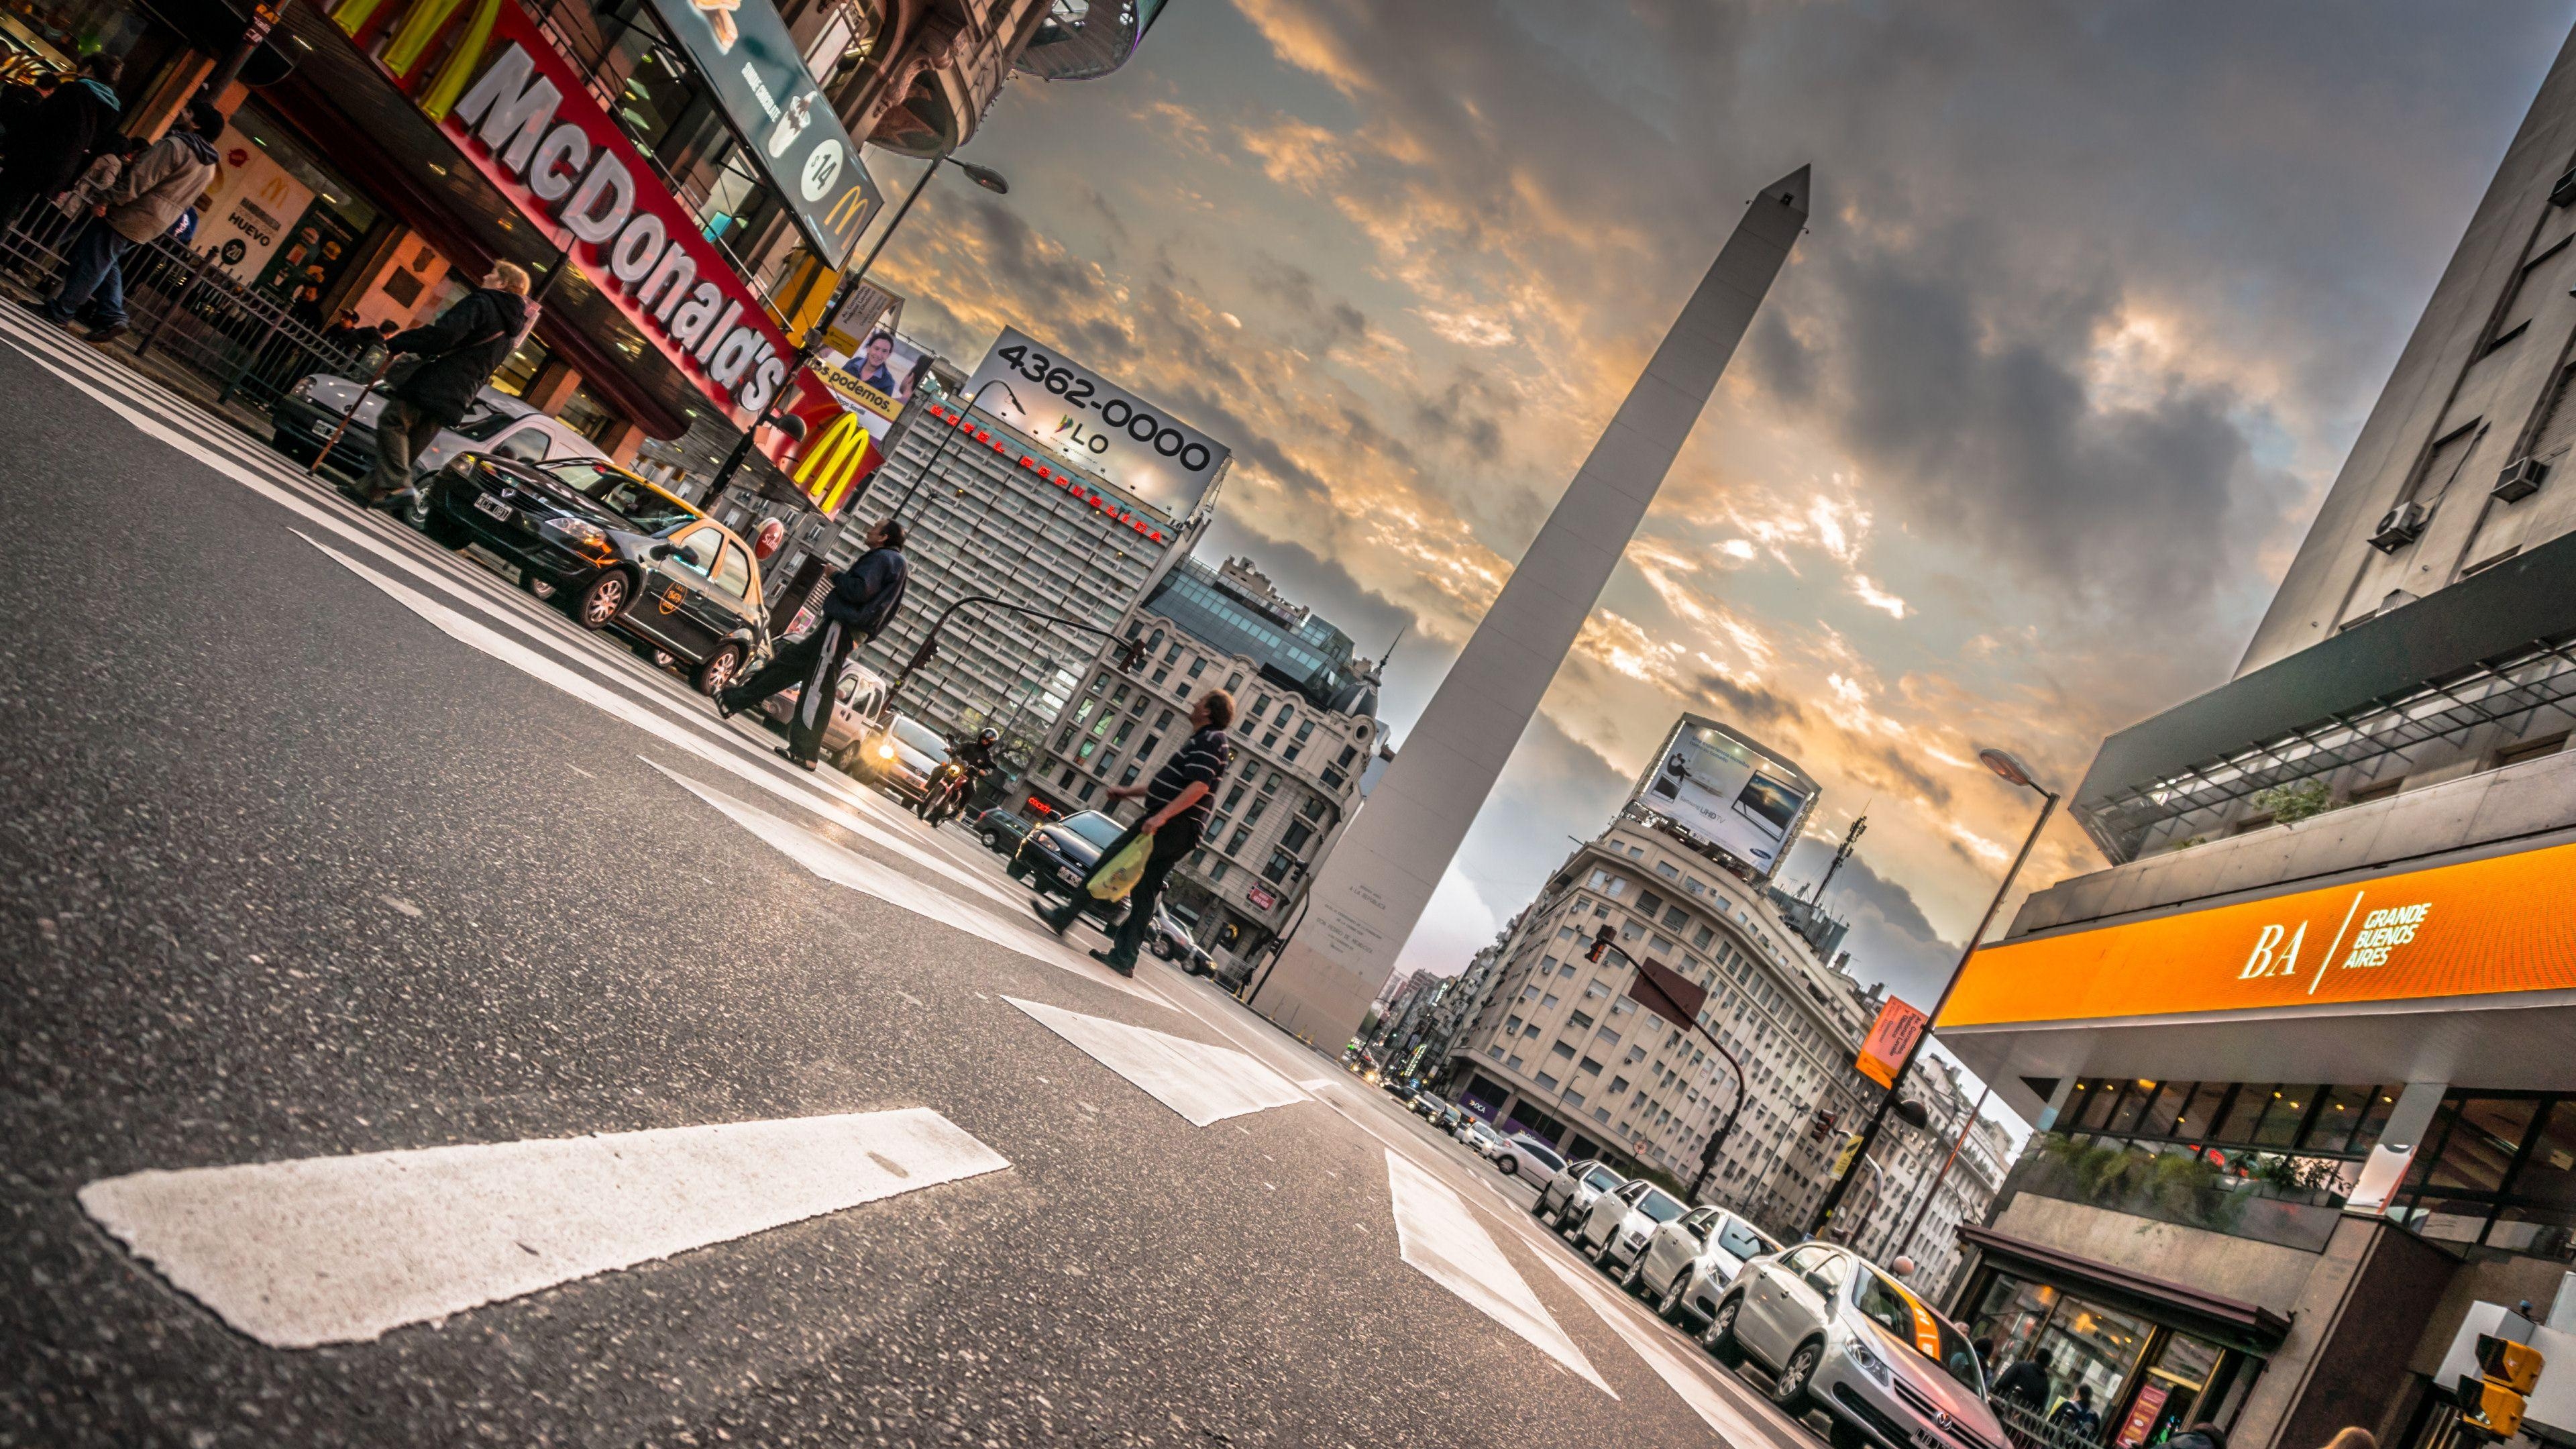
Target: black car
(618, 550)
(1001, 831)
(1057, 858)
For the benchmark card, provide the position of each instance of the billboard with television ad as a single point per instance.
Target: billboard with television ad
(1729, 792)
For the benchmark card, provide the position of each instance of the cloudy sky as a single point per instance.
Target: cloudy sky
(2092, 302)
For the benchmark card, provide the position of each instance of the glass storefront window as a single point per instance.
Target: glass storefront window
(2160, 1117)
(2286, 1114)
(2481, 1143)
(2094, 1101)
(2548, 1176)
(2242, 1113)
(2174, 1385)
(2134, 1101)
(2200, 1114)
(2337, 1118)
(585, 414)
(518, 371)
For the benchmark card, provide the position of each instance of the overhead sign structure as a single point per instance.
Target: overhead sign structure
(1891, 1038)
(525, 118)
(788, 128)
(2479, 928)
(1098, 425)
(1728, 792)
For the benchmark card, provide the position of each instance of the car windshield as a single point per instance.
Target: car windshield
(1542, 1154)
(1602, 1179)
(1095, 827)
(920, 737)
(1657, 1205)
(484, 422)
(1909, 1322)
(1742, 1241)
(623, 494)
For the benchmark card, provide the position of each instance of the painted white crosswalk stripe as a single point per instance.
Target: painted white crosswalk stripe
(344, 1249)
(1205, 1084)
(1666, 1356)
(848, 868)
(1441, 1238)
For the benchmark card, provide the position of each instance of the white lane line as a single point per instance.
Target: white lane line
(844, 867)
(343, 1249)
(1440, 1238)
(1204, 1083)
(472, 584)
(472, 632)
(1666, 1359)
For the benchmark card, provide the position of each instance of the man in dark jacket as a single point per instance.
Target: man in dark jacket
(458, 354)
(53, 141)
(862, 602)
(155, 188)
(2027, 1382)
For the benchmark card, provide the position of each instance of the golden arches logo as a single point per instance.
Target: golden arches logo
(831, 462)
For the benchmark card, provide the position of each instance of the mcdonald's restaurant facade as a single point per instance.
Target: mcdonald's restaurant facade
(384, 153)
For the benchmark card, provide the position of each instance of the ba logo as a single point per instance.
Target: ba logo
(672, 597)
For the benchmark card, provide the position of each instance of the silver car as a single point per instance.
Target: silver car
(1522, 1155)
(1569, 1194)
(1614, 1232)
(1692, 1260)
(1842, 1336)
(1483, 1140)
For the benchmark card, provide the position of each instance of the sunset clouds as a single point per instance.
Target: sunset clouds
(2093, 299)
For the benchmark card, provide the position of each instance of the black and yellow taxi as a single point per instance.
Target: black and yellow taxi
(618, 551)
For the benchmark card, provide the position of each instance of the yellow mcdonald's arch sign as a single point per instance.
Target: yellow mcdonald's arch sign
(834, 462)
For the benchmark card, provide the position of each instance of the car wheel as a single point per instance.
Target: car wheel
(1634, 1280)
(1671, 1309)
(1601, 1255)
(1789, 1390)
(1719, 1340)
(601, 600)
(718, 671)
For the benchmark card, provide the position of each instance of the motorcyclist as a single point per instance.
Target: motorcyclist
(974, 760)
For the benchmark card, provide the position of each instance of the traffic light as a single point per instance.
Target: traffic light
(1821, 1125)
(1850, 1154)
(2491, 1402)
(1600, 942)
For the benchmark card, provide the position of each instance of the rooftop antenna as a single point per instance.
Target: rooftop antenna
(1851, 838)
(1388, 657)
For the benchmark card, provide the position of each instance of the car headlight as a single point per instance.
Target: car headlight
(885, 752)
(580, 533)
(303, 388)
(1868, 1359)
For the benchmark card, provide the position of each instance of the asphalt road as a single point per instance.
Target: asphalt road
(317, 842)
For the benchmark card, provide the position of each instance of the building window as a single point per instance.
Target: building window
(1546, 1083)
(1270, 740)
(1240, 835)
(1562, 1050)
(1128, 776)
(1587, 1065)
(1234, 681)
(1147, 748)
(1313, 808)
(1162, 672)
(1197, 667)
(1065, 780)
(1088, 787)
(1579, 1020)
(1216, 872)
(1280, 864)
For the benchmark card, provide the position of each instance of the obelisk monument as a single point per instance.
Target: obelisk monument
(1377, 880)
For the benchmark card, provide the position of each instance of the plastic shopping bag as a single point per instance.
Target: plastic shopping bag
(1119, 875)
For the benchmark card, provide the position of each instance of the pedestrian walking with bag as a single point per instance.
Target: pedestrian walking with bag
(157, 188)
(862, 602)
(438, 370)
(1176, 811)
(57, 137)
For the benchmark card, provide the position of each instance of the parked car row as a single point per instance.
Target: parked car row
(1836, 1332)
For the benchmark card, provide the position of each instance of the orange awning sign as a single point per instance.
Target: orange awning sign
(1890, 1038)
(2479, 928)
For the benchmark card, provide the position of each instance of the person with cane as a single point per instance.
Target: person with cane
(455, 356)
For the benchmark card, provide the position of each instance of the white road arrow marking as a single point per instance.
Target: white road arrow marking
(1205, 1084)
(1440, 1237)
(849, 868)
(342, 1249)
(1666, 1358)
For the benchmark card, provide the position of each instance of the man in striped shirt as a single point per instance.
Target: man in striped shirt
(1176, 811)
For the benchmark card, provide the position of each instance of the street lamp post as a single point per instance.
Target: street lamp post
(984, 176)
(1603, 943)
(1900, 1243)
(964, 420)
(2010, 768)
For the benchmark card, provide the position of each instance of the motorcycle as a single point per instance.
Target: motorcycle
(946, 793)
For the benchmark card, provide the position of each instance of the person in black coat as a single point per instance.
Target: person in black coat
(53, 141)
(458, 354)
(2027, 1382)
(862, 603)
